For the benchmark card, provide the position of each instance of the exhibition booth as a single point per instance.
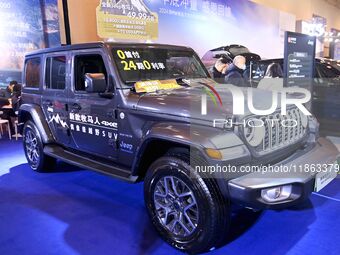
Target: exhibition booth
(169, 127)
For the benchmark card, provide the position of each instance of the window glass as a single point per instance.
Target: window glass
(32, 72)
(56, 73)
(87, 64)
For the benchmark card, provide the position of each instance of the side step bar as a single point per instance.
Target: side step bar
(58, 152)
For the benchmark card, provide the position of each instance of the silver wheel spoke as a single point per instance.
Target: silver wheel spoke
(160, 205)
(174, 186)
(186, 194)
(190, 221)
(34, 142)
(30, 155)
(36, 155)
(28, 137)
(189, 206)
(160, 195)
(165, 185)
(172, 225)
(180, 221)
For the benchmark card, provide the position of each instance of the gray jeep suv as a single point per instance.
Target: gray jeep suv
(134, 112)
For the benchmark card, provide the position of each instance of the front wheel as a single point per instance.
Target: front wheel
(187, 210)
(34, 150)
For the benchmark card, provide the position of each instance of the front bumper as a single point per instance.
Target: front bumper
(246, 190)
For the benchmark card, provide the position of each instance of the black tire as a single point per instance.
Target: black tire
(214, 213)
(34, 149)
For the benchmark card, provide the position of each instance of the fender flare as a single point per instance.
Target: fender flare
(176, 133)
(39, 120)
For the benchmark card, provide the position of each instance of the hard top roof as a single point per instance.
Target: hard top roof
(92, 45)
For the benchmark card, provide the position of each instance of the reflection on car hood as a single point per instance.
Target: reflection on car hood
(187, 101)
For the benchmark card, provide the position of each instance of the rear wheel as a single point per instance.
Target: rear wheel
(34, 149)
(187, 210)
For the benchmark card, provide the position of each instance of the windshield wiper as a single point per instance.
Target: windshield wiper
(132, 88)
(189, 78)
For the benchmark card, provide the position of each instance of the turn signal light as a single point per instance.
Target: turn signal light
(214, 154)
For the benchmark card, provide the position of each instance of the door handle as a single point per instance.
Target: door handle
(76, 107)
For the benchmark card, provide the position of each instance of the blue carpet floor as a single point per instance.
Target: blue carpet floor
(74, 211)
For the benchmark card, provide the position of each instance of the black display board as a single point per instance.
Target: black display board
(299, 60)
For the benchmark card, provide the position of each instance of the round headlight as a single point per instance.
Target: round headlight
(254, 132)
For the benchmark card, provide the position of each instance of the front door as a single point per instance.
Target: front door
(93, 123)
(54, 99)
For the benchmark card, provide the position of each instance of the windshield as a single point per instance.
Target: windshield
(145, 64)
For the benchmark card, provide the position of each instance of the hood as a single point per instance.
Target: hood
(187, 101)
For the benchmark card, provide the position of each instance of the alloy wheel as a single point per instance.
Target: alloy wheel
(32, 148)
(176, 206)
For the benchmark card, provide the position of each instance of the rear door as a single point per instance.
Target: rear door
(93, 123)
(55, 94)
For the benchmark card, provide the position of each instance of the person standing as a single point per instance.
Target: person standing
(13, 103)
(9, 89)
(16, 96)
(235, 72)
(273, 79)
(219, 69)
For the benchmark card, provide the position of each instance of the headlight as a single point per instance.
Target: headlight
(254, 132)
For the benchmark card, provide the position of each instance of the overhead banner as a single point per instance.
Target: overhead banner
(130, 19)
(200, 24)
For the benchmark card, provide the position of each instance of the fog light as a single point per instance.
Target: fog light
(277, 194)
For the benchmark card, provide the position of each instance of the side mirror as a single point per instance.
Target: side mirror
(95, 83)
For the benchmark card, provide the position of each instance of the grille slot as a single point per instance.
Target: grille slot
(278, 135)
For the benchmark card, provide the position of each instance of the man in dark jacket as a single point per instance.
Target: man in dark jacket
(12, 105)
(220, 68)
(9, 89)
(16, 96)
(235, 72)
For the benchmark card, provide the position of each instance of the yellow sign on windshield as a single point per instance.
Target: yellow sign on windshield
(153, 86)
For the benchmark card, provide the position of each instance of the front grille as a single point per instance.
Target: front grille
(277, 135)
